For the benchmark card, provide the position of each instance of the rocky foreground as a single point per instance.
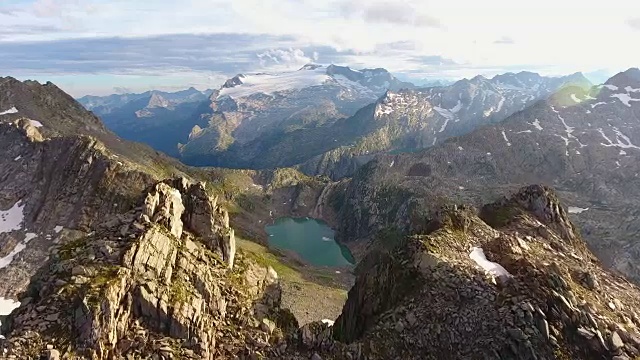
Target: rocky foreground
(512, 280)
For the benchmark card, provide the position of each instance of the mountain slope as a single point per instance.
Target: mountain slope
(104, 105)
(151, 118)
(586, 150)
(62, 170)
(250, 112)
(513, 280)
(410, 120)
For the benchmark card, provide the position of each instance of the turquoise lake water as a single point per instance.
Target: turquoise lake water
(311, 239)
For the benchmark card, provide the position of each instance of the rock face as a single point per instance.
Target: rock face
(147, 283)
(62, 173)
(427, 299)
(200, 213)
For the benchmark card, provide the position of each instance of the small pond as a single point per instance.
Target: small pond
(311, 239)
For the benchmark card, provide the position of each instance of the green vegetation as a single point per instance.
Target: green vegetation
(67, 250)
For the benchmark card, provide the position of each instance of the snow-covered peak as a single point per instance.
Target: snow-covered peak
(369, 83)
(246, 85)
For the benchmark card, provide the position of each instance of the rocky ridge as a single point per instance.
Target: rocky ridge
(161, 279)
(427, 297)
(146, 284)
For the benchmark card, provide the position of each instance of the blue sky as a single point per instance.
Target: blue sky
(101, 47)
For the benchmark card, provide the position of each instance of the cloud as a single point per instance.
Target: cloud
(634, 23)
(505, 40)
(10, 32)
(393, 13)
(226, 53)
(285, 59)
(398, 14)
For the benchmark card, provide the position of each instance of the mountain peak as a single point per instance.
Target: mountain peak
(310, 66)
(629, 77)
(234, 81)
(158, 101)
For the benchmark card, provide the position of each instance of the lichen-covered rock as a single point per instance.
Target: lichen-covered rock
(111, 293)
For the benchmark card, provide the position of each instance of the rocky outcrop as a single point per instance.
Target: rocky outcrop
(428, 298)
(148, 283)
(196, 210)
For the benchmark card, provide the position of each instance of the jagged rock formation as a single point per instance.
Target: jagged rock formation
(148, 283)
(426, 298)
(201, 214)
(62, 173)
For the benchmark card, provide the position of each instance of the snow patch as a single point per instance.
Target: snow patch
(622, 152)
(536, 124)
(448, 114)
(271, 83)
(57, 229)
(328, 322)
(495, 269)
(524, 132)
(624, 98)
(324, 238)
(18, 158)
(7, 306)
(577, 210)
(629, 89)
(610, 87)
(392, 163)
(35, 123)
(504, 135)
(460, 148)
(11, 220)
(622, 141)
(569, 130)
(593, 106)
(30, 236)
(575, 98)
(5, 261)
(13, 110)
(500, 104)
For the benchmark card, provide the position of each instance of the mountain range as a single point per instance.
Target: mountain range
(113, 250)
(343, 116)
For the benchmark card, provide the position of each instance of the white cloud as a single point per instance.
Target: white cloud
(396, 13)
(552, 37)
(278, 59)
